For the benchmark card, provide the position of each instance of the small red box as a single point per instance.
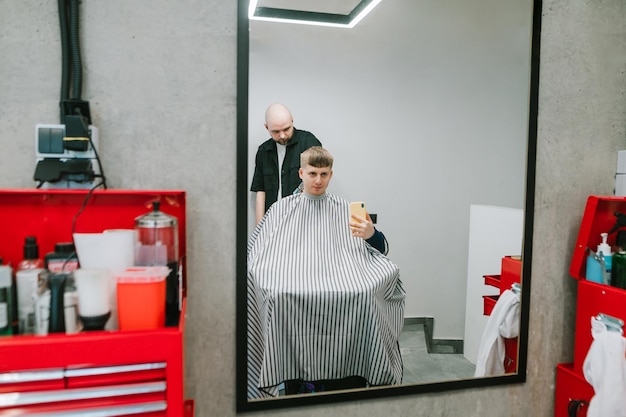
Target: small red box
(140, 295)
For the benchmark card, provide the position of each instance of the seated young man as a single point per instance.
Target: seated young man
(323, 305)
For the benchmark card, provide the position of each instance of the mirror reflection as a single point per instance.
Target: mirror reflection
(425, 107)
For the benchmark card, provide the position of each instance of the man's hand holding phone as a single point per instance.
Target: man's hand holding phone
(361, 224)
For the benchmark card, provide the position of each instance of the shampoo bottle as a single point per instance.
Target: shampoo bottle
(26, 284)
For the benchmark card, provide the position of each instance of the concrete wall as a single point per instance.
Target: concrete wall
(160, 78)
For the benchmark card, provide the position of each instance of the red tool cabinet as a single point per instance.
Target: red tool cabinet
(510, 273)
(573, 393)
(90, 373)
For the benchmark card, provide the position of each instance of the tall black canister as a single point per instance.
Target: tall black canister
(157, 235)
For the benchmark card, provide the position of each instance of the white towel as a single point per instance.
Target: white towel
(503, 322)
(605, 369)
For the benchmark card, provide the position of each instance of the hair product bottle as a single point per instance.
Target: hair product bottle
(6, 300)
(25, 286)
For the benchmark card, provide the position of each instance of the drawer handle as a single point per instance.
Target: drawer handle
(34, 376)
(14, 399)
(55, 374)
(110, 411)
(107, 370)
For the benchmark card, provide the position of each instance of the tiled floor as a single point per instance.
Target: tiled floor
(421, 366)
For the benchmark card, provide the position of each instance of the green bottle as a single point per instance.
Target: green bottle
(618, 274)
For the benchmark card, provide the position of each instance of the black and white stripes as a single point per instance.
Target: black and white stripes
(322, 304)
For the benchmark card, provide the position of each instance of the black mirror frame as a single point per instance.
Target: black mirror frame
(242, 402)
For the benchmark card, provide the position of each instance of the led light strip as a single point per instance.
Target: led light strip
(253, 7)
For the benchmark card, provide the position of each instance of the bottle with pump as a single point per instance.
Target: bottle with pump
(604, 249)
(599, 264)
(6, 300)
(25, 286)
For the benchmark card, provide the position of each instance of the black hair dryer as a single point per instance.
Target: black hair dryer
(56, 284)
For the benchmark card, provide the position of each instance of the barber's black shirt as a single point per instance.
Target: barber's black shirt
(266, 171)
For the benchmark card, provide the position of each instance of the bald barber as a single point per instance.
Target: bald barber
(278, 158)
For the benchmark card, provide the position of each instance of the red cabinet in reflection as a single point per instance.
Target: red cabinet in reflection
(510, 273)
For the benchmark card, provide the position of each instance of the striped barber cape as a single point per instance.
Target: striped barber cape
(322, 304)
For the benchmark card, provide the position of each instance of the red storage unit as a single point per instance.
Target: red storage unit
(511, 272)
(599, 217)
(119, 372)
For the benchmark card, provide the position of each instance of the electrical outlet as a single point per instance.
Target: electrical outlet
(49, 146)
(49, 142)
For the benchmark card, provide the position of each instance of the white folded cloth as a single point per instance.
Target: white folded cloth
(605, 369)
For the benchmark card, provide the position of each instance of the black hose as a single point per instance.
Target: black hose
(77, 76)
(65, 58)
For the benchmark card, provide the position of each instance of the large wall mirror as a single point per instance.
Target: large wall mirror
(429, 109)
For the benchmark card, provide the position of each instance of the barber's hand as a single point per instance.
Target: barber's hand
(360, 227)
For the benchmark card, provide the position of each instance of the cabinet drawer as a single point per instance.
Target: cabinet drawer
(572, 392)
(28, 381)
(510, 354)
(492, 280)
(126, 399)
(489, 302)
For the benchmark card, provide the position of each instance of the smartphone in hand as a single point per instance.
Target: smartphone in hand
(358, 209)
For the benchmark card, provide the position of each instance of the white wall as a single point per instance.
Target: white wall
(424, 106)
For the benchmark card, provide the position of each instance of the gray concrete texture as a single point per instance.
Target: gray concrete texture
(161, 80)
